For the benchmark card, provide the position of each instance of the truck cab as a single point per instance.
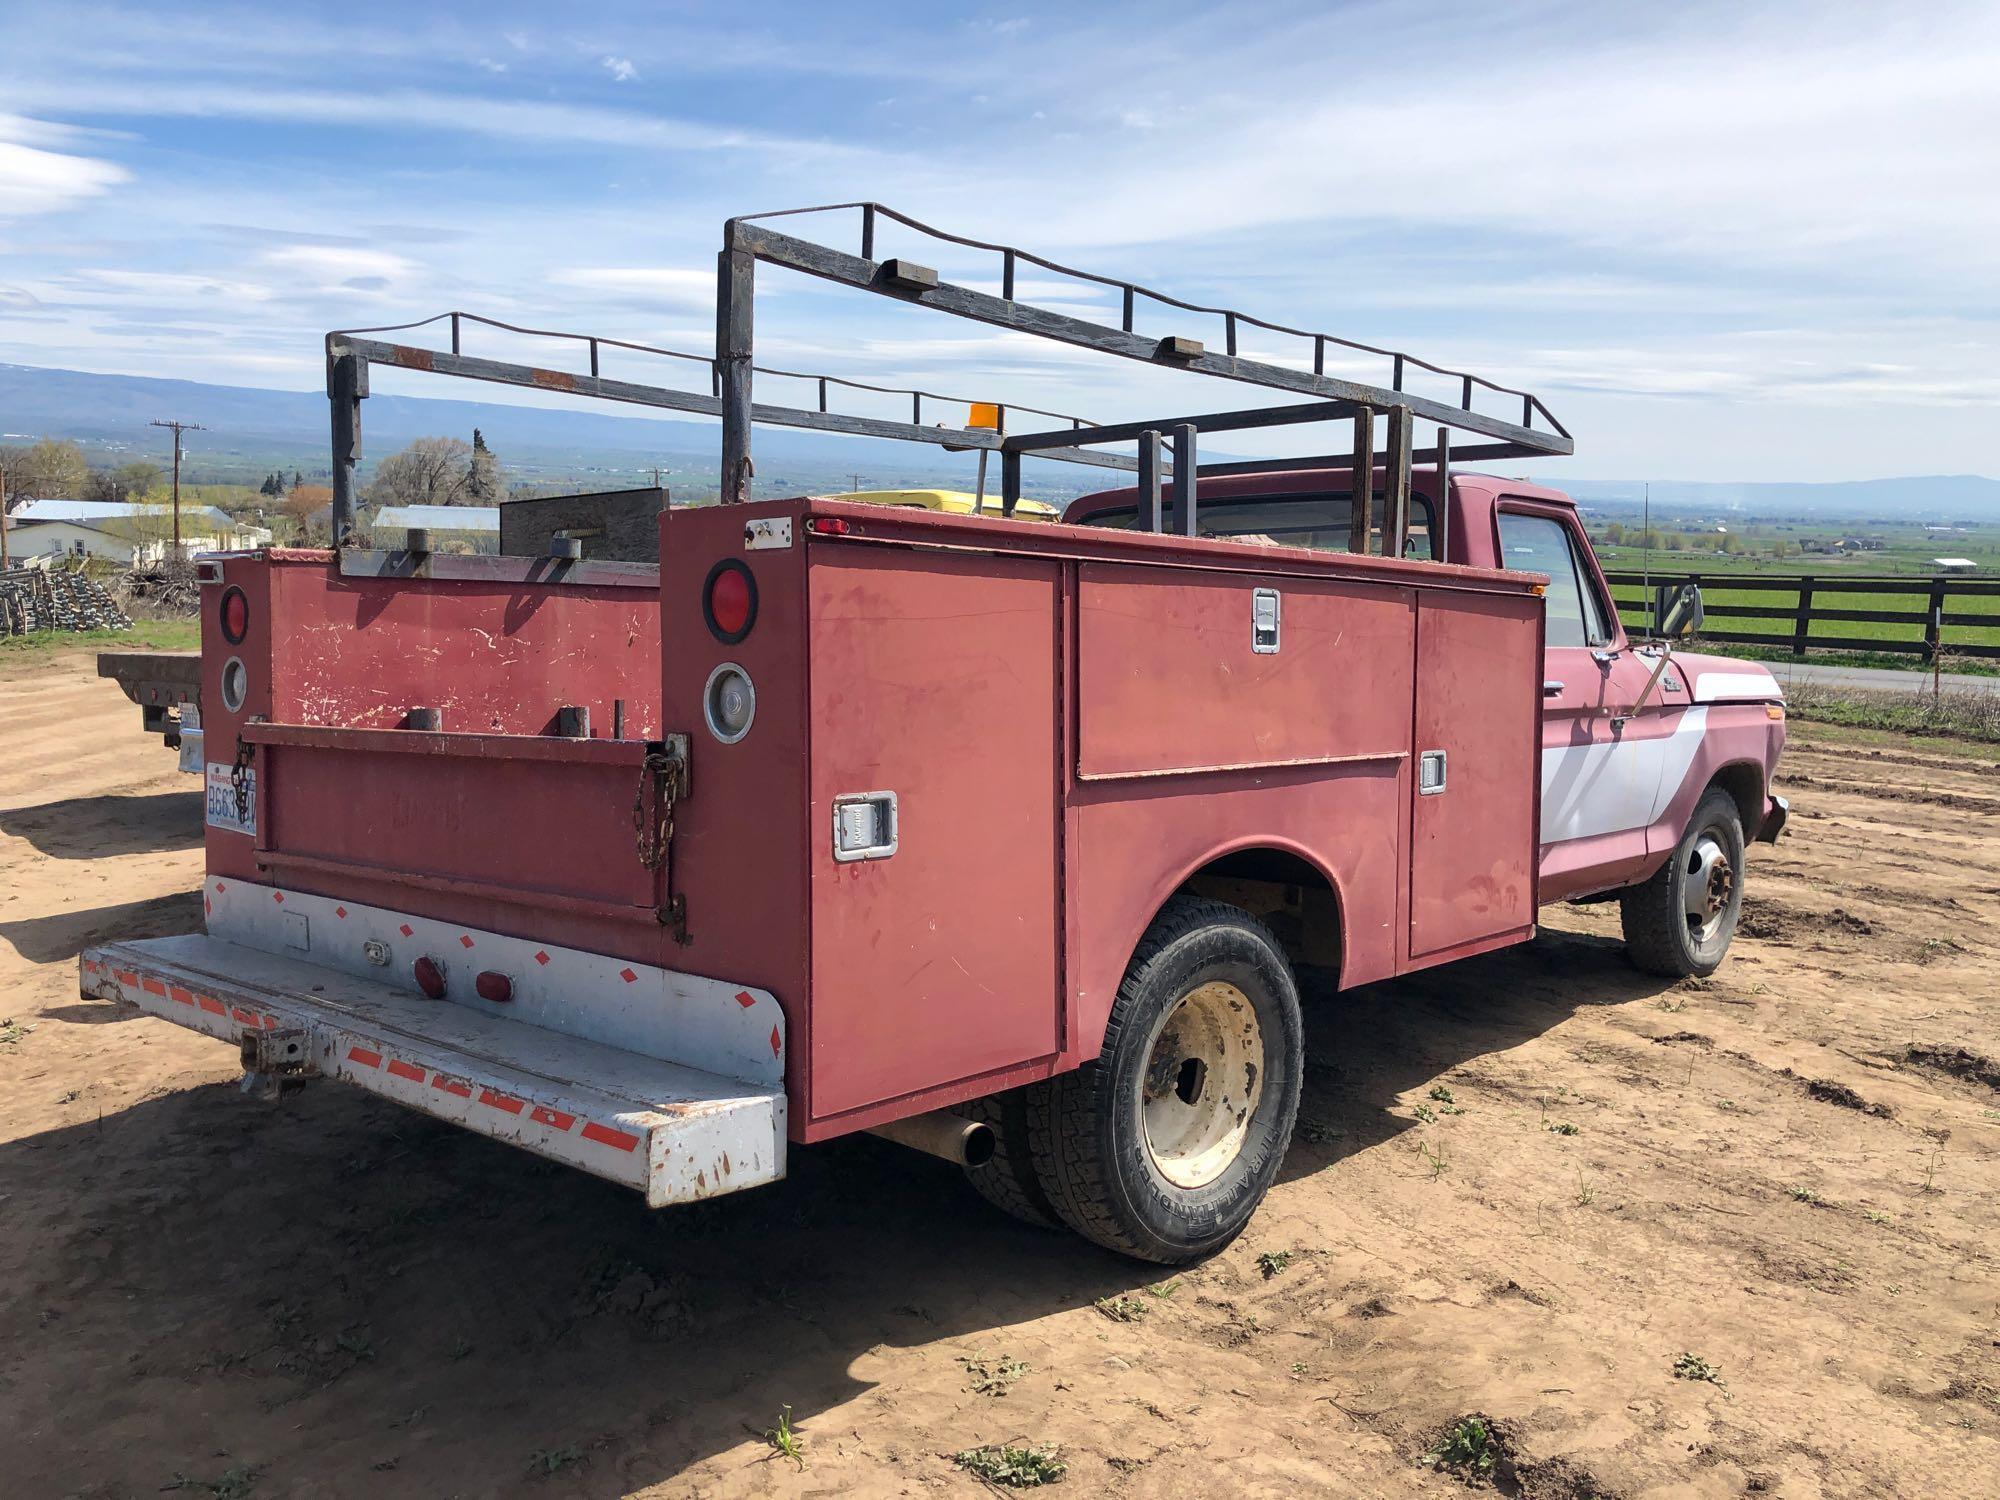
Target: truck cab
(1630, 744)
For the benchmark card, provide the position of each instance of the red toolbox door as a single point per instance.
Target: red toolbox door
(935, 682)
(1473, 846)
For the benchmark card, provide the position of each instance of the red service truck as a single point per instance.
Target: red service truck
(1003, 840)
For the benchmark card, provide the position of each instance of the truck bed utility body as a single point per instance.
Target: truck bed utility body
(845, 815)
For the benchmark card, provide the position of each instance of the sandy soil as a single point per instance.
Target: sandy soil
(1788, 1172)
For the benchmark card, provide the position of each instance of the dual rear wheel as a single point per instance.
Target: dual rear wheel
(1163, 1146)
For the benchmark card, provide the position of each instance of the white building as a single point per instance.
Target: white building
(124, 532)
(474, 526)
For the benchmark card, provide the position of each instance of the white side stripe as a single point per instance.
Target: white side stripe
(1713, 687)
(1610, 786)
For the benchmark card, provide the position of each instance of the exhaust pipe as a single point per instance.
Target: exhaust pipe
(942, 1133)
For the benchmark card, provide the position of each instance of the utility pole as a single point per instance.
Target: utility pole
(178, 429)
(3, 521)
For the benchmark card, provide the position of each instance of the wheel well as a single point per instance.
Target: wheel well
(1290, 893)
(1745, 784)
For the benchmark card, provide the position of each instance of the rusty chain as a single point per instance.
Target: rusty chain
(665, 773)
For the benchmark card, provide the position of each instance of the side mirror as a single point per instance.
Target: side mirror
(1677, 610)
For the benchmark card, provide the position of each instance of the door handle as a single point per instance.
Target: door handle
(1552, 689)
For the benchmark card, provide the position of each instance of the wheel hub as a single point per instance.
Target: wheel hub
(1709, 887)
(1204, 1077)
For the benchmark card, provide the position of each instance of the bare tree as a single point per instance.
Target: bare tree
(48, 470)
(431, 471)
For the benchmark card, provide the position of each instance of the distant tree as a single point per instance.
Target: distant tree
(1675, 542)
(48, 470)
(297, 479)
(483, 483)
(1614, 534)
(300, 504)
(126, 482)
(430, 471)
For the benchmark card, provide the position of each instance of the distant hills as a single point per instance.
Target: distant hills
(252, 431)
(1922, 497)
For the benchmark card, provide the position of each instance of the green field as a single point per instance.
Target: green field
(1908, 553)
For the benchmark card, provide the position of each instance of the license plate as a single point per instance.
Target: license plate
(222, 799)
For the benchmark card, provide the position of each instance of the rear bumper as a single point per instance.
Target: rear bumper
(1776, 813)
(674, 1133)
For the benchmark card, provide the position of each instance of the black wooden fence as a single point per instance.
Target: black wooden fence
(1930, 624)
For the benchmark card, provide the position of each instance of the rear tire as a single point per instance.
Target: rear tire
(1008, 1181)
(1680, 921)
(1163, 1146)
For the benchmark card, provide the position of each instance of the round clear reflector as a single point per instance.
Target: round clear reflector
(729, 703)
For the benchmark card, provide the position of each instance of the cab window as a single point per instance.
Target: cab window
(1542, 544)
(1318, 521)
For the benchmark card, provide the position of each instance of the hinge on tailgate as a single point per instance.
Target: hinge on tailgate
(664, 774)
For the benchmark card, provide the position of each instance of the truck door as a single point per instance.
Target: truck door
(1472, 847)
(1599, 778)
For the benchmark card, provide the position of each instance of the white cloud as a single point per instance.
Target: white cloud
(173, 286)
(537, 121)
(343, 268)
(620, 68)
(672, 286)
(34, 180)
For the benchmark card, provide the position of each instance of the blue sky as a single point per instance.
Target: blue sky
(1721, 241)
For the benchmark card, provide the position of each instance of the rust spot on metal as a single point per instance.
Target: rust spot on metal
(554, 380)
(413, 359)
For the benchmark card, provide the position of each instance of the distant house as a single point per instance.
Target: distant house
(122, 531)
(475, 527)
(1954, 565)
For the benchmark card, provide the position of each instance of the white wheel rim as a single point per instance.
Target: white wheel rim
(1204, 1076)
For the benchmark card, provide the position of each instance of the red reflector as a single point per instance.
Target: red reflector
(828, 526)
(429, 975)
(729, 601)
(495, 987)
(235, 616)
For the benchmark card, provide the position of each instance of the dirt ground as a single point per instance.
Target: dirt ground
(1788, 1172)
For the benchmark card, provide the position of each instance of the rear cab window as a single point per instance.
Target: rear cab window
(1536, 543)
(1317, 521)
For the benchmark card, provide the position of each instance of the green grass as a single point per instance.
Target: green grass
(145, 635)
(1962, 713)
(1827, 595)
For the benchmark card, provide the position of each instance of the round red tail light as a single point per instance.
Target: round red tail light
(729, 601)
(429, 974)
(495, 986)
(235, 615)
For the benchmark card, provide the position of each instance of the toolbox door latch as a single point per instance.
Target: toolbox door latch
(864, 826)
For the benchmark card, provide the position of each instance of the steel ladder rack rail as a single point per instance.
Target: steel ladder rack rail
(351, 352)
(750, 239)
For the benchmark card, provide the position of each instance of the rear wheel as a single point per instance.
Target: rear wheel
(1008, 1181)
(1164, 1145)
(1679, 922)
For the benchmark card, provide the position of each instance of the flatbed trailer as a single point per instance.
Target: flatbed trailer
(1000, 839)
(167, 687)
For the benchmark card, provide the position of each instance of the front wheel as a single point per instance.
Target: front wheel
(1163, 1146)
(1679, 922)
